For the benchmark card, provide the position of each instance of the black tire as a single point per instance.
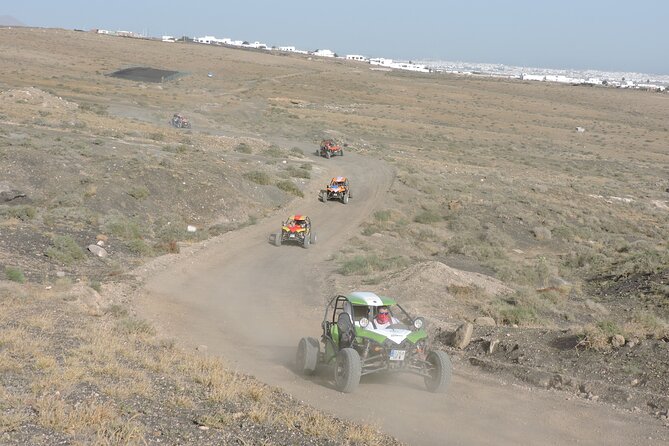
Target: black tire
(306, 242)
(324, 197)
(347, 370)
(345, 198)
(307, 356)
(327, 154)
(313, 238)
(277, 239)
(341, 152)
(440, 371)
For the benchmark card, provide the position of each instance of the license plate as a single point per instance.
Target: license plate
(397, 355)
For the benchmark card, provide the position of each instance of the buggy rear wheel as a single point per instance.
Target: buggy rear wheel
(306, 242)
(344, 199)
(277, 239)
(307, 356)
(347, 370)
(324, 197)
(313, 238)
(440, 370)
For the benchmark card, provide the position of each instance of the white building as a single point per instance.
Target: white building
(381, 61)
(209, 40)
(324, 53)
(356, 57)
(169, 39)
(257, 45)
(290, 49)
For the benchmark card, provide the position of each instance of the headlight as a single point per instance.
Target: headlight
(364, 322)
(419, 323)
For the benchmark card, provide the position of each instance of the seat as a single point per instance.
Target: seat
(346, 330)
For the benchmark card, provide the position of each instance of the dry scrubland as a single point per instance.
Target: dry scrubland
(566, 230)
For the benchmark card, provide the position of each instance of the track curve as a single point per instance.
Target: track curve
(251, 302)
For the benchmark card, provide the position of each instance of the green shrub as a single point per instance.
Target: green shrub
(297, 172)
(290, 187)
(14, 274)
(427, 217)
(258, 177)
(518, 314)
(172, 231)
(383, 215)
(273, 152)
(96, 285)
(120, 226)
(23, 213)
(140, 247)
(139, 192)
(65, 250)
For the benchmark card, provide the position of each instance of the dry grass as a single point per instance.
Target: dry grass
(80, 378)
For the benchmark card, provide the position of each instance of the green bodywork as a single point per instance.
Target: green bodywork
(355, 300)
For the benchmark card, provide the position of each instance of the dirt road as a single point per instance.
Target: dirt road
(251, 302)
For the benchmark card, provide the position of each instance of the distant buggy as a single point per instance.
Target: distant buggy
(338, 189)
(330, 148)
(355, 345)
(180, 121)
(296, 229)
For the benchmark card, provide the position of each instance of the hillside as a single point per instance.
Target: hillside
(479, 200)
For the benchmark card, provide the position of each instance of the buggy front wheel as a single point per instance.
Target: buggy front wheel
(277, 239)
(347, 370)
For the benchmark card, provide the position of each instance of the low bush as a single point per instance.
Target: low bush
(290, 187)
(14, 274)
(298, 172)
(122, 227)
(65, 250)
(23, 213)
(427, 217)
(258, 177)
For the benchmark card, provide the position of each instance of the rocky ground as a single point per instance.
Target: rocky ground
(91, 161)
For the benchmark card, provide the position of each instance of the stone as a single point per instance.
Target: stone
(618, 341)
(97, 250)
(463, 335)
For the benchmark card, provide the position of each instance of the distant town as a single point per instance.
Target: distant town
(637, 81)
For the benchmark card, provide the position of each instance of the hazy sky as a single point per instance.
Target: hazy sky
(610, 35)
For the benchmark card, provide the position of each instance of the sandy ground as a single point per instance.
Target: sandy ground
(251, 302)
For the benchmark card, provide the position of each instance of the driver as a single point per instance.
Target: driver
(383, 318)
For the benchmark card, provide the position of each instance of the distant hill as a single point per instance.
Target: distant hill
(7, 20)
